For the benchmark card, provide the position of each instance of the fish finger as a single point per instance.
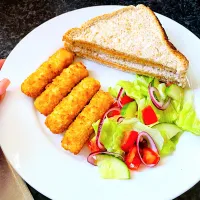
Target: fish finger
(70, 106)
(60, 87)
(35, 84)
(81, 129)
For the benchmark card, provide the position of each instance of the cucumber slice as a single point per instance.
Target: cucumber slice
(111, 167)
(175, 92)
(129, 110)
(168, 130)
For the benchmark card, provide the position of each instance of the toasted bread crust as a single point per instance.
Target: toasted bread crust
(170, 46)
(68, 37)
(128, 69)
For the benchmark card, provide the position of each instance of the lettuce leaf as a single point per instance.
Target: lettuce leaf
(170, 145)
(114, 91)
(187, 119)
(141, 105)
(169, 115)
(137, 89)
(168, 148)
(112, 134)
(170, 139)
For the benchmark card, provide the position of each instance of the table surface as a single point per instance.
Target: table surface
(19, 17)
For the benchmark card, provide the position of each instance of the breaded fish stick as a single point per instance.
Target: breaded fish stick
(66, 111)
(60, 87)
(35, 84)
(81, 129)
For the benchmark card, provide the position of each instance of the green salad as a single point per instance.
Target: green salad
(143, 125)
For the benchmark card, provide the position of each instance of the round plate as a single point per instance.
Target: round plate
(36, 153)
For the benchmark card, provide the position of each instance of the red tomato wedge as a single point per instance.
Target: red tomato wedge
(132, 159)
(149, 116)
(92, 145)
(130, 137)
(125, 99)
(149, 156)
(114, 105)
(115, 112)
(168, 84)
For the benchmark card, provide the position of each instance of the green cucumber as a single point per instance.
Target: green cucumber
(168, 130)
(129, 110)
(111, 167)
(175, 92)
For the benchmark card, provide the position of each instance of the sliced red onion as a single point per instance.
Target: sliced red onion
(166, 104)
(100, 127)
(121, 91)
(120, 119)
(91, 158)
(152, 145)
(153, 99)
(159, 104)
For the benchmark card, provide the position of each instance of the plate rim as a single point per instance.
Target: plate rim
(77, 10)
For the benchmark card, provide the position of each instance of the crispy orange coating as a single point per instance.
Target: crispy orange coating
(81, 129)
(66, 111)
(60, 87)
(35, 84)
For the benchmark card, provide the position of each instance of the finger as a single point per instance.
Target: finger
(3, 85)
(2, 96)
(2, 62)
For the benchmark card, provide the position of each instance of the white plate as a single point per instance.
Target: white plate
(36, 153)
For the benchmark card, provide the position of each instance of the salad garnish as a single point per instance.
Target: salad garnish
(143, 125)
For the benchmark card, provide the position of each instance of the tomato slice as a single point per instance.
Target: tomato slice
(129, 140)
(149, 116)
(125, 99)
(92, 145)
(114, 105)
(132, 159)
(149, 156)
(113, 113)
(168, 84)
(143, 144)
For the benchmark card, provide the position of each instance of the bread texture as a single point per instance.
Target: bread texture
(131, 39)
